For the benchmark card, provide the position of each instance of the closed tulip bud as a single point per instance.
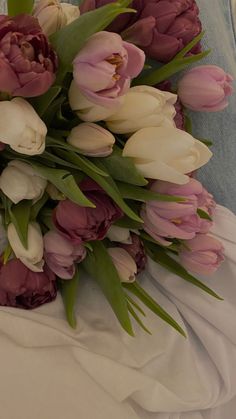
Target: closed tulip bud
(144, 106)
(92, 140)
(87, 110)
(21, 127)
(32, 257)
(166, 153)
(53, 15)
(205, 88)
(124, 263)
(119, 234)
(19, 181)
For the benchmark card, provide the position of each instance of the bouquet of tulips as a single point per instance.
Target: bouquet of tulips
(97, 157)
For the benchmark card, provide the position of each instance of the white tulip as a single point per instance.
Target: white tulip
(144, 106)
(53, 15)
(87, 110)
(21, 127)
(119, 234)
(33, 256)
(124, 263)
(19, 181)
(166, 153)
(92, 140)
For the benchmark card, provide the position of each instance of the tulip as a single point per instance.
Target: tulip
(105, 66)
(81, 224)
(19, 181)
(53, 15)
(144, 106)
(21, 127)
(27, 61)
(119, 234)
(124, 263)
(86, 109)
(166, 153)
(205, 88)
(91, 140)
(22, 288)
(136, 251)
(61, 255)
(32, 257)
(202, 255)
(167, 220)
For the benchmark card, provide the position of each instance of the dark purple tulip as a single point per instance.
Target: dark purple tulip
(27, 62)
(22, 288)
(136, 250)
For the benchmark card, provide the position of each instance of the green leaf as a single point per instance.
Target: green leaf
(208, 143)
(163, 259)
(137, 290)
(133, 303)
(190, 45)
(35, 209)
(43, 102)
(142, 194)
(20, 217)
(70, 39)
(7, 253)
(17, 7)
(106, 183)
(188, 124)
(138, 320)
(98, 264)
(69, 290)
(64, 182)
(126, 222)
(123, 168)
(203, 214)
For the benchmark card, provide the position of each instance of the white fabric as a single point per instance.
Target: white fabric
(49, 371)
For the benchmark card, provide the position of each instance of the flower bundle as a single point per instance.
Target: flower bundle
(97, 156)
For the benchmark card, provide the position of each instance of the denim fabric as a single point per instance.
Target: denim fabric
(219, 176)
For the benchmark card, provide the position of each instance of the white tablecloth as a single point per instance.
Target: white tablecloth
(48, 371)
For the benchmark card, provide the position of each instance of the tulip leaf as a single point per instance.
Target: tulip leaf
(138, 320)
(126, 222)
(139, 292)
(106, 183)
(17, 7)
(143, 195)
(20, 217)
(43, 102)
(7, 254)
(64, 182)
(99, 265)
(70, 39)
(208, 143)
(36, 208)
(69, 291)
(203, 214)
(123, 168)
(162, 258)
(133, 303)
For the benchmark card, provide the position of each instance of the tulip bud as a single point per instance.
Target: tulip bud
(124, 263)
(92, 140)
(19, 181)
(21, 127)
(119, 234)
(87, 110)
(144, 106)
(32, 257)
(53, 15)
(166, 153)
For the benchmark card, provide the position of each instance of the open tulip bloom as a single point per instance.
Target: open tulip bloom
(96, 155)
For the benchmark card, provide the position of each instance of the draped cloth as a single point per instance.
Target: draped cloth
(49, 371)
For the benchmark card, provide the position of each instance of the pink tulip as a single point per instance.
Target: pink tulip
(202, 255)
(20, 287)
(61, 255)
(27, 62)
(177, 219)
(105, 66)
(205, 88)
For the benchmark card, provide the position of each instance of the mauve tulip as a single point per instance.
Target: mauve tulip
(81, 224)
(136, 250)
(105, 66)
(202, 255)
(22, 288)
(28, 63)
(205, 88)
(61, 255)
(124, 263)
(167, 220)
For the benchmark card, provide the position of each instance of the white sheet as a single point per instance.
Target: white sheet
(49, 371)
